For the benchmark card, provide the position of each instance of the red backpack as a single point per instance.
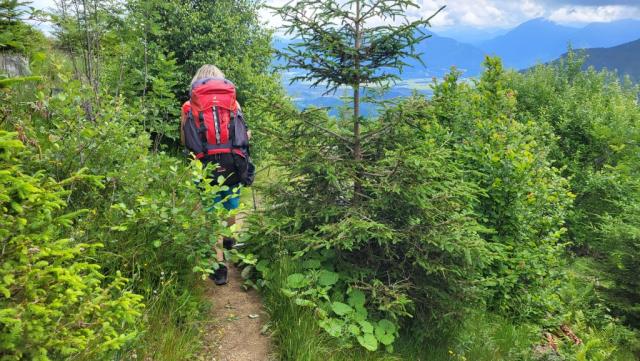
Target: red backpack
(211, 122)
(215, 130)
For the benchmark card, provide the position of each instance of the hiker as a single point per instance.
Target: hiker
(213, 128)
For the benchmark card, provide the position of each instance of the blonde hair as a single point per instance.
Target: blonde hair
(207, 71)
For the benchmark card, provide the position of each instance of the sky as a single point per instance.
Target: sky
(493, 14)
(486, 15)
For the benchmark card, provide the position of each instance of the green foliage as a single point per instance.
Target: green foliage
(412, 248)
(295, 333)
(340, 46)
(588, 313)
(88, 125)
(525, 199)
(619, 242)
(226, 33)
(430, 204)
(15, 34)
(148, 212)
(148, 50)
(143, 208)
(56, 302)
(465, 210)
(595, 119)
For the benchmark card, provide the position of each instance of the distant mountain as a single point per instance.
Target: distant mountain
(439, 54)
(604, 35)
(469, 34)
(540, 40)
(537, 40)
(624, 58)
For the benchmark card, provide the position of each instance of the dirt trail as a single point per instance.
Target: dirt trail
(235, 333)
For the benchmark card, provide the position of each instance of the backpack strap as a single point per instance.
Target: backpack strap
(202, 130)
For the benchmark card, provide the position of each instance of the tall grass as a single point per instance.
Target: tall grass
(482, 337)
(174, 318)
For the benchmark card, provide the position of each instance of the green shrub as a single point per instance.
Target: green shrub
(595, 119)
(619, 242)
(461, 207)
(55, 301)
(524, 199)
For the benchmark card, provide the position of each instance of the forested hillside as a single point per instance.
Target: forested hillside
(496, 219)
(621, 58)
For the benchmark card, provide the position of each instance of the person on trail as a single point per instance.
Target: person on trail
(213, 128)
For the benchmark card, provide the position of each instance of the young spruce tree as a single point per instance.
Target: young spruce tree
(374, 214)
(356, 43)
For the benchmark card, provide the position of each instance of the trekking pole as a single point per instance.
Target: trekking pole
(253, 195)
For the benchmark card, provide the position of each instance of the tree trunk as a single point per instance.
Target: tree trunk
(357, 150)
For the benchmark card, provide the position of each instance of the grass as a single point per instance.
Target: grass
(483, 336)
(173, 330)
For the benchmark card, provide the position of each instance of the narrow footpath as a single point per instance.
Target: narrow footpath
(236, 332)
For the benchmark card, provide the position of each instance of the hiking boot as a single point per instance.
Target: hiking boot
(228, 243)
(219, 277)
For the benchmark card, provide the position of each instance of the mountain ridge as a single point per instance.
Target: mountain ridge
(619, 58)
(539, 40)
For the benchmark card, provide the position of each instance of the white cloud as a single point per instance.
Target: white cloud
(42, 4)
(486, 13)
(590, 14)
(267, 16)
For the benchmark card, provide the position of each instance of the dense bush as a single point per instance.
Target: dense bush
(143, 209)
(595, 120)
(524, 198)
(56, 302)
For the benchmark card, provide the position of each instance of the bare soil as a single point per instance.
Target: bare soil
(238, 318)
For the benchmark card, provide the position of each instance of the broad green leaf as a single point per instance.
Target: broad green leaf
(327, 278)
(387, 326)
(356, 298)
(366, 326)
(368, 341)
(333, 326)
(262, 266)
(354, 329)
(384, 332)
(385, 339)
(360, 313)
(341, 309)
(297, 280)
